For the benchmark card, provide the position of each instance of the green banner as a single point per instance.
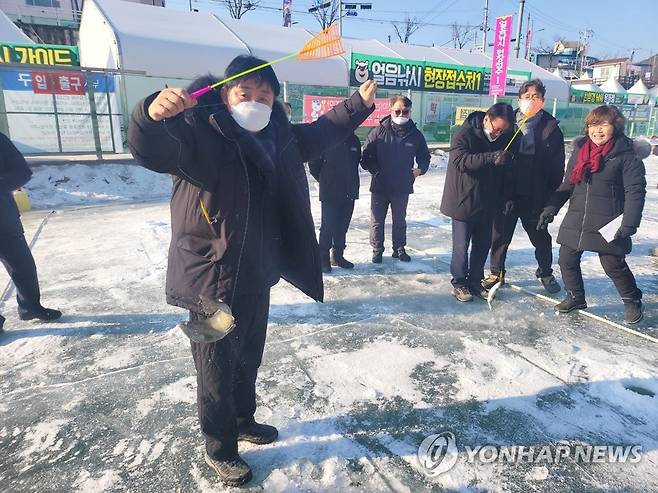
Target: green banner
(400, 74)
(593, 97)
(39, 54)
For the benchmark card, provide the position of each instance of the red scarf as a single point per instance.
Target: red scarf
(590, 157)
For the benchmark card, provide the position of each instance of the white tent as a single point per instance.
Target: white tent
(586, 87)
(557, 73)
(612, 85)
(165, 43)
(10, 33)
(654, 91)
(638, 88)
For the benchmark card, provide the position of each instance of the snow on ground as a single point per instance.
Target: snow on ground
(104, 400)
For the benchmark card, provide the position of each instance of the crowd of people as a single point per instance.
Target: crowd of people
(241, 212)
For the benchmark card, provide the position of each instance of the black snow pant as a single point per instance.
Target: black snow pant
(503, 231)
(475, 233)
(17, 258)
(226, 375)
(615, 267)
(379, 204)
(336, 218)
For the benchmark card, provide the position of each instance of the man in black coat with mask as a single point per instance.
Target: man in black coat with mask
(474, 189)
(15, 253)
(396, 154)
(241, 220)
(337, 172)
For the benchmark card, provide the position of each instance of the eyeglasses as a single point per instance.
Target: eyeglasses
(404, 112)
(531, 97)
(600, 126)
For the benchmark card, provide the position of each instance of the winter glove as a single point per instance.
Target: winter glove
(508, 207)
(501, 158)
(625, 232)
(545, 218)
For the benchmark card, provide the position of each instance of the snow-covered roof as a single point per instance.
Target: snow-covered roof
(638, 88)
(171, 43)
(586, 87)
(10, 33)
(613, 85)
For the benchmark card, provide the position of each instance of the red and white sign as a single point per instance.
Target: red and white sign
(500, 56)
(316, 106)
(58, 83)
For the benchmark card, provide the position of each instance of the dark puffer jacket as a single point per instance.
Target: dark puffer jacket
(390, 156)
(210, 168)
(14, 173)
(337, 171)
(473, 184)
(619, 187)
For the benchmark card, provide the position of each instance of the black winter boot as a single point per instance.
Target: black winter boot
(257, 433)
(2, 322)
(338, 260)
(633, 310)
(231, 472)
(325, 262)
(401, 254)
(377, 257)
(41, 313)
(574, 301)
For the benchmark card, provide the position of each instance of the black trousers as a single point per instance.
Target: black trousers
(17, 258)
(226, 375)
(336, 218)
(503, 231)
(475, 233)
(379, 204)
(615, 267)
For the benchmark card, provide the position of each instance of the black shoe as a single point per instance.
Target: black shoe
(401, 254)
(633, 310)
(479, 291)
(573, 301)
(2, 322)
(550, 284)
(325, 263)
(41, 313)
(257, 433)
(338, 260)
(462, 293)
(492, 279)
(231, 472)
(377, 257)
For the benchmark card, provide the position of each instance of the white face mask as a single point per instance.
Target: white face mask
(251, 115)
(400, 120)
(525, 105)
(488, 134)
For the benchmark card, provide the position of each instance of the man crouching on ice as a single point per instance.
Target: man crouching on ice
(240, 220)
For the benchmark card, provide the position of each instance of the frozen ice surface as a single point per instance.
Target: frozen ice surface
(104, 400)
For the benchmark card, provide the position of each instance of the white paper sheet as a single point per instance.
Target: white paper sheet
(608, 231)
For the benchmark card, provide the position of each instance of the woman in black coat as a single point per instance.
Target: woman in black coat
(604, 180)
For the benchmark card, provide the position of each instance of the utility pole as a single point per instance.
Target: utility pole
(584, 38)
(485, 26)
(340, 18)
(517, 46)
(528, 36)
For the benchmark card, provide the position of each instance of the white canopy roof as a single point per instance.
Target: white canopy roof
(612, 85)
(654, 91)
(10, 33)
(171, 43)
(638, 88)
(586, 87)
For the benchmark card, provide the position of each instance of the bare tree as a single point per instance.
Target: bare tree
(405, 29)
(327, 15)
(238, 8)
(462, 34)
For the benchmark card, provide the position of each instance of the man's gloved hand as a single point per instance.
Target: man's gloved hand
(502, 158)
(625, 232)
(508, 207)
(545, 218)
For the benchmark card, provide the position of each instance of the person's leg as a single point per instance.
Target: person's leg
(326, 225)
(573, 280)
(542, 242)
(501, 237)
(399, 212)
(480, 244)
(378, 211)
(340, 240)
(617, 269)
(17, 258)
(461, 237)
